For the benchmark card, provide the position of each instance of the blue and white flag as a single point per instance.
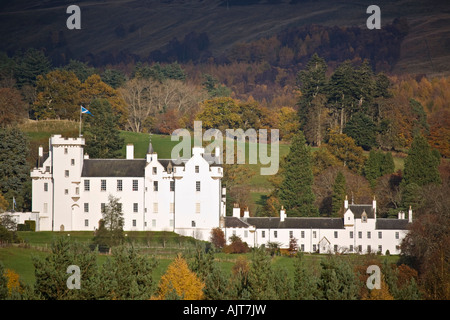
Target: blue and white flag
(84, 110)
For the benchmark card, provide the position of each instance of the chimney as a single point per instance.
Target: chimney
(236, 211)
(282, 214)
(86, 156)
(246, 213)
(346, 202)
(217, 155)
(410, 215)
(41, 152)
(130, 151)
(374, 206)
(401, 215)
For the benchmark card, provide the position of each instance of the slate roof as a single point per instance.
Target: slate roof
(288, 223)
(358, 209)
(391, 224)
(113, 168)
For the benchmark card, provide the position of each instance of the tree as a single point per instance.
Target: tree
(14, 169)
(58, 96)
(180, 282)
(217, 238)
(338, 196)
(101, 131)
(127, 275)
(113, 78)
(312, 84)
(51, 272)
(377, 165)
(214, 88)
(421, 166)
(29, 65)
(110, 232)
(12, 107)
(362, 129)
(344, 149)
(81, 69)
(296, 188)
(236, 245)
(305, 285)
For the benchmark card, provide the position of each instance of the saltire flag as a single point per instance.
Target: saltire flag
(84, 110)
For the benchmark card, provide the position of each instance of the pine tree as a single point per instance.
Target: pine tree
(421, 165)
(296, 188)
(101, 131)
(305, 283)
(338, 195)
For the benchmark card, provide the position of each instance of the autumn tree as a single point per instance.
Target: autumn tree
(180, 282)
(296, 188)
(345, 149)
(12, 107)
(58, 95)
(217, 238)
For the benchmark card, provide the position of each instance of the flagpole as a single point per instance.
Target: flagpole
(80, 122)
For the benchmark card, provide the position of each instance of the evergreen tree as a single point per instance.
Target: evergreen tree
(421, 165)
(101, 131)
(29, 65)
(362, 129)
(296, 188)
(14, 169)
(338, 195)
(377, 165)
(305, 282)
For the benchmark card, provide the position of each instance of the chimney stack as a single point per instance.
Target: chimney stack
(41, 152)
(410, 217)
(236, 211)
(282, 214)
(246, 213)
(346, 202)
(130, 151)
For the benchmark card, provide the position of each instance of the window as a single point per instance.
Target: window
(360, 248)
(302, 234)
(103, 185)
(302, 247)
(335, 248)
(369, 249)
(351, 248)
(86, 223)
(153, 222)
(380, 248)
(66, 173)
(291, 234)
(197, 207)
(368, 234)
(72, 162)
(134, 223)
(263, 234)
(155, 207)
(197, 185)
(192, 223)
(172, 207)
(314, 247)
(47, 168)
(86, 207)
(66, 191)
(314, 235)
(397, 235)
(154, 170)
(171, 223)
(87, 185)
(155, 185)
(197, 169)
(66, 151)
(119, 185)
(335, 235)
(275, 234)
(172, 185)
(135, 185)
(360, 234)
(380, 235)
(351, 234)
(45, 207)
(45, 186)
(77, 190)
(135, 207)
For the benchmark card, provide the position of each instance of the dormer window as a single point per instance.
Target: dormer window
(364, 216)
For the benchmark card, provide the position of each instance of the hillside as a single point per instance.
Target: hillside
(129, 30)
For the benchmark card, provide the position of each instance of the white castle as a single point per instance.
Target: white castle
(70, 191)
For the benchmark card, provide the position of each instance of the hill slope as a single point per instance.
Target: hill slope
(137, 28)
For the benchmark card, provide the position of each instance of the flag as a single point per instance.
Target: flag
(84, 110)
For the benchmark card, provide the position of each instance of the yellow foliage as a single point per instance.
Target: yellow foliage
(13, 281)
(178, 277)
